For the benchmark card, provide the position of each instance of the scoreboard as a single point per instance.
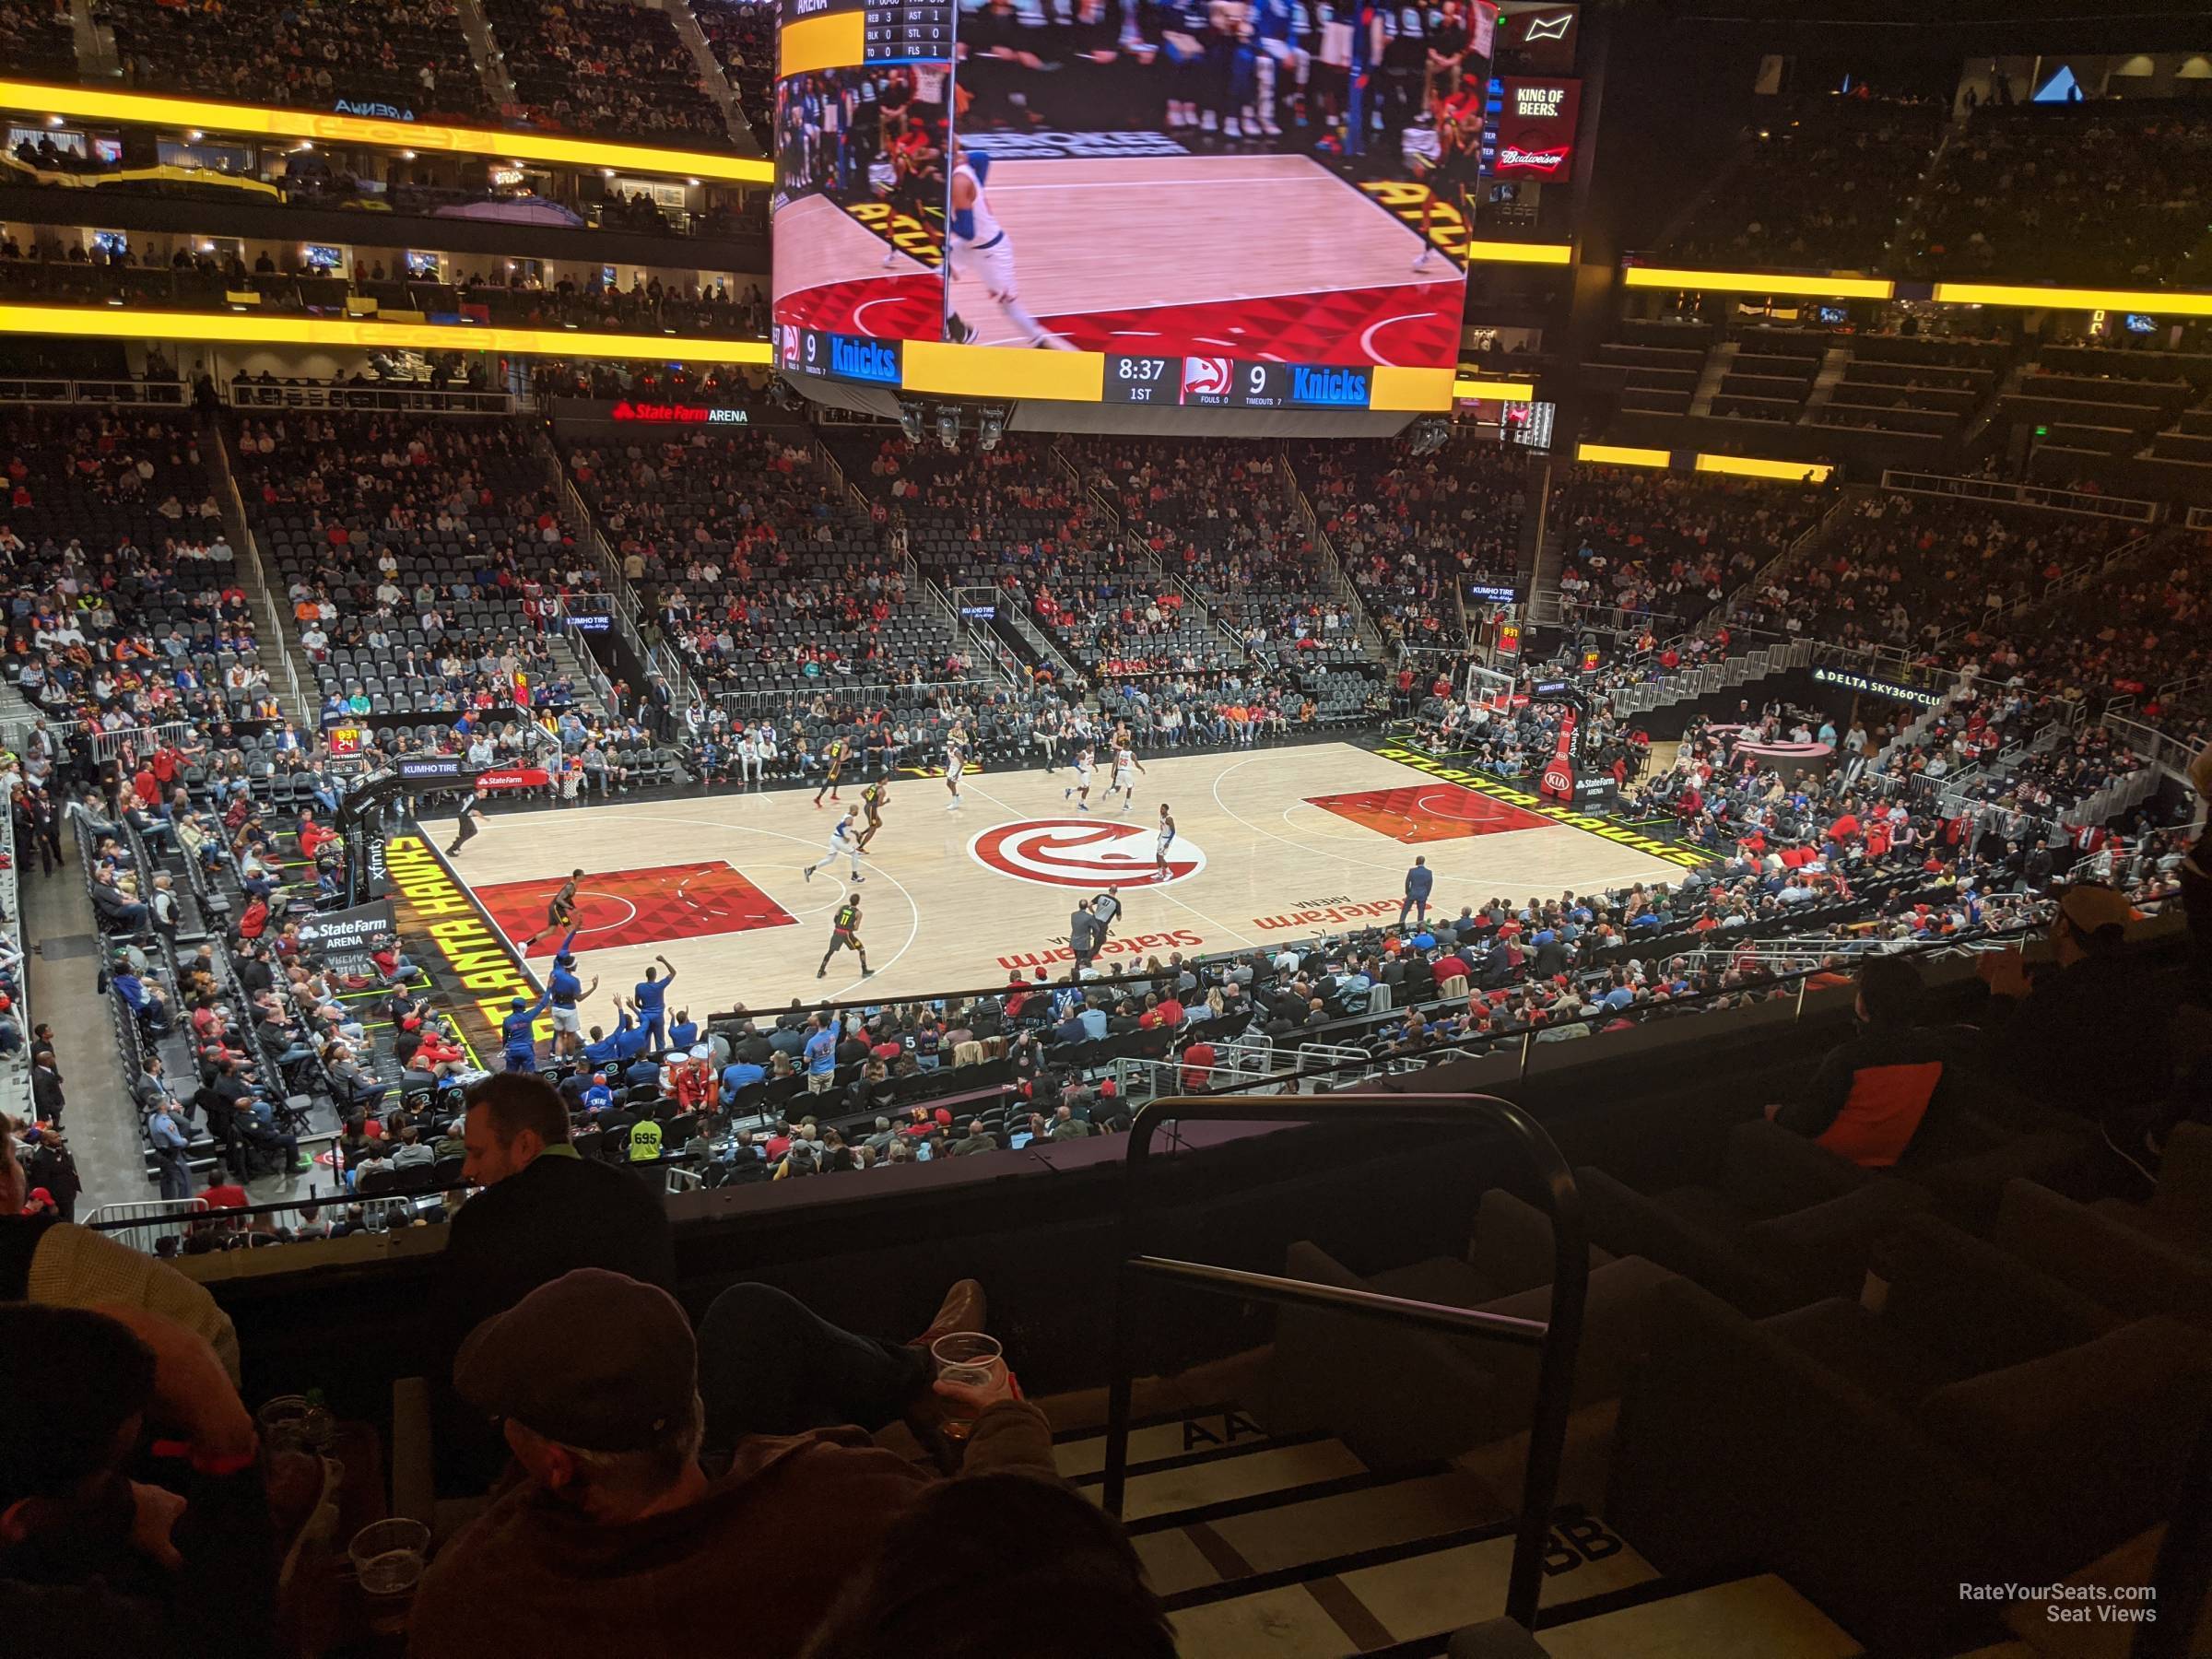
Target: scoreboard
(907, 31)
(828, 355)
(1188, 383)
(1221, 383)
(1257, 317)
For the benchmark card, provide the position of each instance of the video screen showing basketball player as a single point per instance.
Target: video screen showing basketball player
(1285, 178)
(859, 213)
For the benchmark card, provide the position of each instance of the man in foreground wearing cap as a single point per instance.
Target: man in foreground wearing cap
(602, 1545)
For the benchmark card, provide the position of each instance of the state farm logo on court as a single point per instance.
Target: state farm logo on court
(1084, 853)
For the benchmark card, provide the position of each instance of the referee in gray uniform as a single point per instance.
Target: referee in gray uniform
(467, 826)
(1106, 909)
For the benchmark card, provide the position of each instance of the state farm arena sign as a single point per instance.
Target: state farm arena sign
(1084, 853)
(679, 414)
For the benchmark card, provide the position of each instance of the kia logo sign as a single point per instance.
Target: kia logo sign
(1084, 853)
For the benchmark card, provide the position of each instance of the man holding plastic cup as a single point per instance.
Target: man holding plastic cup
(609, 1405)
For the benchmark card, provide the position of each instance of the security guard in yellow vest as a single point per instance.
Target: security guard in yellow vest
(645, 1142)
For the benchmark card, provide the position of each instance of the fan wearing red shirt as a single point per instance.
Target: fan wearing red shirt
(1197, 1061)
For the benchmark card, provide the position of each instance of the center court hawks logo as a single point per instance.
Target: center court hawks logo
(1083, 852)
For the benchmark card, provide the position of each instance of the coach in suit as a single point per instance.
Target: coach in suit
(1086, 932)
(1421, 881)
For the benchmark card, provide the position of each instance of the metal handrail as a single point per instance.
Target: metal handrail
(1999, 492)
(248, 561)
(1559, 1338)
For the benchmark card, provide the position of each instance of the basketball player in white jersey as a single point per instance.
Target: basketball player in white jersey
(1081, 790)
(1167, 840)
(956, 762)
(1126, 768)
(979, 248)
(844, 842)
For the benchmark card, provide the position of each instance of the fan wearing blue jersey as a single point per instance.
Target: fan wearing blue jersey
(981, 249)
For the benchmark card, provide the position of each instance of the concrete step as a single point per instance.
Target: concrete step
(1291, 1546)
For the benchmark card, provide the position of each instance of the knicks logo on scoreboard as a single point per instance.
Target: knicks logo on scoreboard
(1207, 376)
(1083, 852)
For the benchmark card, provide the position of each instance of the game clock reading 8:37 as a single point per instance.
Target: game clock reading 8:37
(1143, 379)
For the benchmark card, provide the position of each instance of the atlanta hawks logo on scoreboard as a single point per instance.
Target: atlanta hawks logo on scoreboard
(1207, 376)
(1083, 852)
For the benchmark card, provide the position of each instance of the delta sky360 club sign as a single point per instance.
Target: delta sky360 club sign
(1085, 853)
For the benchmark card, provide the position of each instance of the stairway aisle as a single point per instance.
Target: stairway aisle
(1291, 1547)
(16, 710)
(64, 965)
(713, 77)
(1717, 363)
(1835, 363)
(484, 48)
(272, 621)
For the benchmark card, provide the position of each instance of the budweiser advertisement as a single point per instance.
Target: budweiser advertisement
(1539, 40)
(1532, 135)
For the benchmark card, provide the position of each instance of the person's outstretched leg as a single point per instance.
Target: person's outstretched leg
(768, 1364)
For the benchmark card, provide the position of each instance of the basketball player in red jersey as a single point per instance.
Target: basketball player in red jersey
(1457, 170)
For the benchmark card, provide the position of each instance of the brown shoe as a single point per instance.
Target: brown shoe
(963, 1309)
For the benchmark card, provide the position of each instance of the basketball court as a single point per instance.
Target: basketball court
(846, 285)
(1272, 844)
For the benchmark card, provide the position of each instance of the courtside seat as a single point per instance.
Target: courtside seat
(1397, 1395)
(1989, 1425)
(1782, 1222)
